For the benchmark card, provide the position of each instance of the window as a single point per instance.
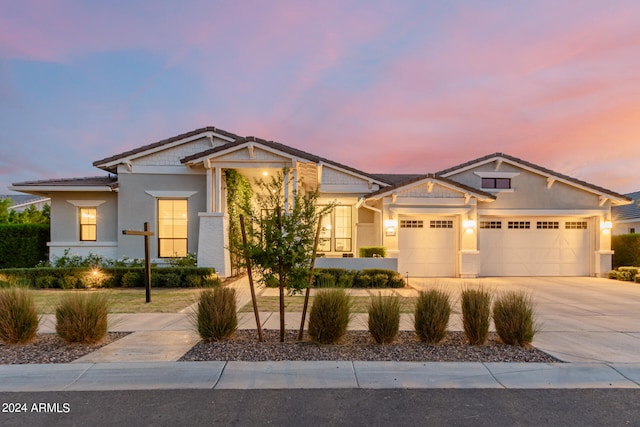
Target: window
(336, 230)
(632, 230)
(441, 224)
(411, 223)
(88, 224)
(548, 225)
(172, 228)
(522, 225)
(575, 225)
(496, 183)
(491, 224)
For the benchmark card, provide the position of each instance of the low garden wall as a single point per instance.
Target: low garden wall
(358, 263)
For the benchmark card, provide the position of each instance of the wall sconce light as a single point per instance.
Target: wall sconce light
(469, 225)
(390, 226)
(606, 226)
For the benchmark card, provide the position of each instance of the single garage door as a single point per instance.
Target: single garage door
(534, 246)
(427, 246)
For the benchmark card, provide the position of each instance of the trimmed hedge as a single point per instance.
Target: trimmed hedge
(112, 277)
(372, 251)
(626, 249)
(367, 278)
(23, 245)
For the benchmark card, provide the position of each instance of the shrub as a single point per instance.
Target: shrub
(215, 316)
(372, 252)
(384, 318)
(379, 280)
(626, 249)
(613, 274)
(396, 281)
(514, 317)
(431, 315)
(329, 315)
(82, 317)
(45, 282)
(71, 282)
(18, 316)
(624, 275)
(637, 278)
(193, 281)
(346, 280)
(23, 245)
(476, 314)
(211, 281)
(362, 281)
(325, 280)
(132, 279)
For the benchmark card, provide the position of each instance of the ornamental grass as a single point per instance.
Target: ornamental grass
(18, 316)
(82, 317)
(514, 317)
(329, 316)
(384, 318)
(215, 317)
(431, 315)
(476, 314)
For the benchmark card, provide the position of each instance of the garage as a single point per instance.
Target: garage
(534, 246)
(428, 246)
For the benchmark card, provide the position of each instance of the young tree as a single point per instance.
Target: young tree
(281, 235)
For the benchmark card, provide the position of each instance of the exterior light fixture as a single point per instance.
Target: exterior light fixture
(469, 225)
(265, 173)
(606, 226)
(390, 226)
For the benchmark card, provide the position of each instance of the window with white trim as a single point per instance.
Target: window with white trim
(632, 230)
(496, 183)
(88, 224)
(575, 225)
(547, 225)
(411, 223)
(172, 228)
(518, 225)
(441, 224)
(336, 232)
(491, 224)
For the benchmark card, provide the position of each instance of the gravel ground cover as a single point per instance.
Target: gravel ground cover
(358, 345)
(50, 348)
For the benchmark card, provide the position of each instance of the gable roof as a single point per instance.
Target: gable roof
(103, 163)
(630, 211)
(615, 197)
(433, 177)
(294, 152)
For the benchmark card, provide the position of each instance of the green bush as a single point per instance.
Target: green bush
(71, 282)
(329, 316)
(132, 279)
(325, 280)
(363, 281)
(624, 275)
(379, 280)
(346, 280)
(372, 251)
(82, 317)
(476, 314)
(637, 278)
(613, 274)
(384, 318)
(18, 316)
(394, 279)
(211, 281)
(431, 315)
(23, 245)
(514, 317)
(215, 316)
(46, 282)
(626, 249)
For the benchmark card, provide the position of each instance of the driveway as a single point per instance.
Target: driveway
(582, 319)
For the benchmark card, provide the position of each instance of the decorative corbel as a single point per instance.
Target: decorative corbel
(128, 164)
(603, 200)
(394, 196)
(250, 148)
(210, 138)
(498, 164)
(467, 198)
(429, 186)
(550, 181)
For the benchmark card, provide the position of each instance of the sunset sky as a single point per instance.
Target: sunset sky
(382, 86)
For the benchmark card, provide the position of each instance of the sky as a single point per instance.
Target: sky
(382, 86)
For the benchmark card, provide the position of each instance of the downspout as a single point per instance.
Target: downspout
(363, 203)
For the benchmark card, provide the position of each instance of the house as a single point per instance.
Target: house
(493, 216)
(21, 202)
(627, 217)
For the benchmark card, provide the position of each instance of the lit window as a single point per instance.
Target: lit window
(88, 224)
(336, 230)
(172, 228)
(496, 183)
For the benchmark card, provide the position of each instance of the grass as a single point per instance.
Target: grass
(360, 304)
(124, 300)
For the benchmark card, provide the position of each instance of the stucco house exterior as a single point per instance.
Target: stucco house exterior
(492, 216)
(626, 218)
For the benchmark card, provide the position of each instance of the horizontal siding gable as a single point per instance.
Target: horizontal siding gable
(245, 154)
(171, 156)
(422, 190)
(332, 176)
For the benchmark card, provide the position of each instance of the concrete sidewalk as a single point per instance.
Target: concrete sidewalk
(147, 358)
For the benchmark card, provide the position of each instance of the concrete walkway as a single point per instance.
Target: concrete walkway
(593, 323)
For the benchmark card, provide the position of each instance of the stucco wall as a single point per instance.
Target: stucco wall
(137, 207)
(530, 191)
(64, 215)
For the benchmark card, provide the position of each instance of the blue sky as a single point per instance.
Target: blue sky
(390, 86)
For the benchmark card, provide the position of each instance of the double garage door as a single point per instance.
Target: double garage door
(534, 246)
(528, 246)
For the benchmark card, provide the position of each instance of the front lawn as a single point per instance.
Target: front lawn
(295, 304)
(163, 300)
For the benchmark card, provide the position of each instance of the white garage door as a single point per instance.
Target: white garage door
(534, 246)
(427, 246)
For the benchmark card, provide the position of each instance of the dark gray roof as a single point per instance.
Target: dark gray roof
(93, 181)
(283, 148)
(396, 178)
(631, 211)
(100, 163)
(534, 166)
